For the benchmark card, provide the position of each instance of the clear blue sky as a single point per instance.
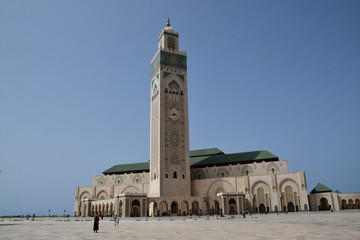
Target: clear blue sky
(281, 76)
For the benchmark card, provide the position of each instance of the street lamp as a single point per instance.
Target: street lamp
(64, 213)
(49, 212)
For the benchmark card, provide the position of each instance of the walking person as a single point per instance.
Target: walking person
(115, 220)
(96, 224)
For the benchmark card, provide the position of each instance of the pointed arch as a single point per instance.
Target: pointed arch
(222, 172)
(272, 168)
(174, 83)
(85, 194)
(260, 184)
(136, 179)
(247, 171)
(102, 195)
(118, 180)
(130, 189)
(101, 181)
(198, 174)
(220, 184)
(286, 182)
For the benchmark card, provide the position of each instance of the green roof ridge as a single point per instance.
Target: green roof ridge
(205, 152)
(321, 188)
(202, 158)
(129, 167)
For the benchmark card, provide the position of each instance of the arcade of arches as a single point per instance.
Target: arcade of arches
(137, 205)
(334, 201)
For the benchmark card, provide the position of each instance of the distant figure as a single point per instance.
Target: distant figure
(116, 220)
(96, 224)
(33, 217)
(277, 211)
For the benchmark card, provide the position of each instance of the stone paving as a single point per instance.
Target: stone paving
(299, 226)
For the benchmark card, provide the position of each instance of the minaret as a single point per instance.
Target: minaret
(169, 124)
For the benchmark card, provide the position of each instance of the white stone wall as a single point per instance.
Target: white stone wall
(260, 176)
(338, 201)
(272, 184)
(253, 169)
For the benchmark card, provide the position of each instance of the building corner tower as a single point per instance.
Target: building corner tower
(169, 124)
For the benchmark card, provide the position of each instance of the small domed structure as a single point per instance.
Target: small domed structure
(168, 28)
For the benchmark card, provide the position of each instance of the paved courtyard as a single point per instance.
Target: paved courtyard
(299, 226)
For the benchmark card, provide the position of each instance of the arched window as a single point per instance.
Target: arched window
(166, 175)
(174, 90)
(175, 175)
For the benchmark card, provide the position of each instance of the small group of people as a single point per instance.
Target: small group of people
(28, 216)
(97, 219)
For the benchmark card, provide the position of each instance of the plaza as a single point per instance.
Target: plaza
(299, 226)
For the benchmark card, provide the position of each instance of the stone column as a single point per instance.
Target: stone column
(127, 207)
(241, 204)
(224, 204)
(144, 207)
(83, 202)
(116, 207)
(238, 205)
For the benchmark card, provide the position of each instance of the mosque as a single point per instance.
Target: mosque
(177, 181)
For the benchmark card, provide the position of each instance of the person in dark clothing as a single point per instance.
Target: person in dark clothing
(96, 224)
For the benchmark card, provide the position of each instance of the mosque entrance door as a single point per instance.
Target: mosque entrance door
(291, 207)
(135, 209)
(174, 208)
(324, 205)
(232, 207)
(262, 208)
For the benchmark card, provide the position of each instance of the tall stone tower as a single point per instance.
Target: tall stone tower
(169, 131)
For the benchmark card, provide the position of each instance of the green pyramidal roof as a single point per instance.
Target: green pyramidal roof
(320, 188)
(201, 158)
(337, 191)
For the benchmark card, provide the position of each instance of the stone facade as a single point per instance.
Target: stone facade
(259, 187)
(334, 201)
